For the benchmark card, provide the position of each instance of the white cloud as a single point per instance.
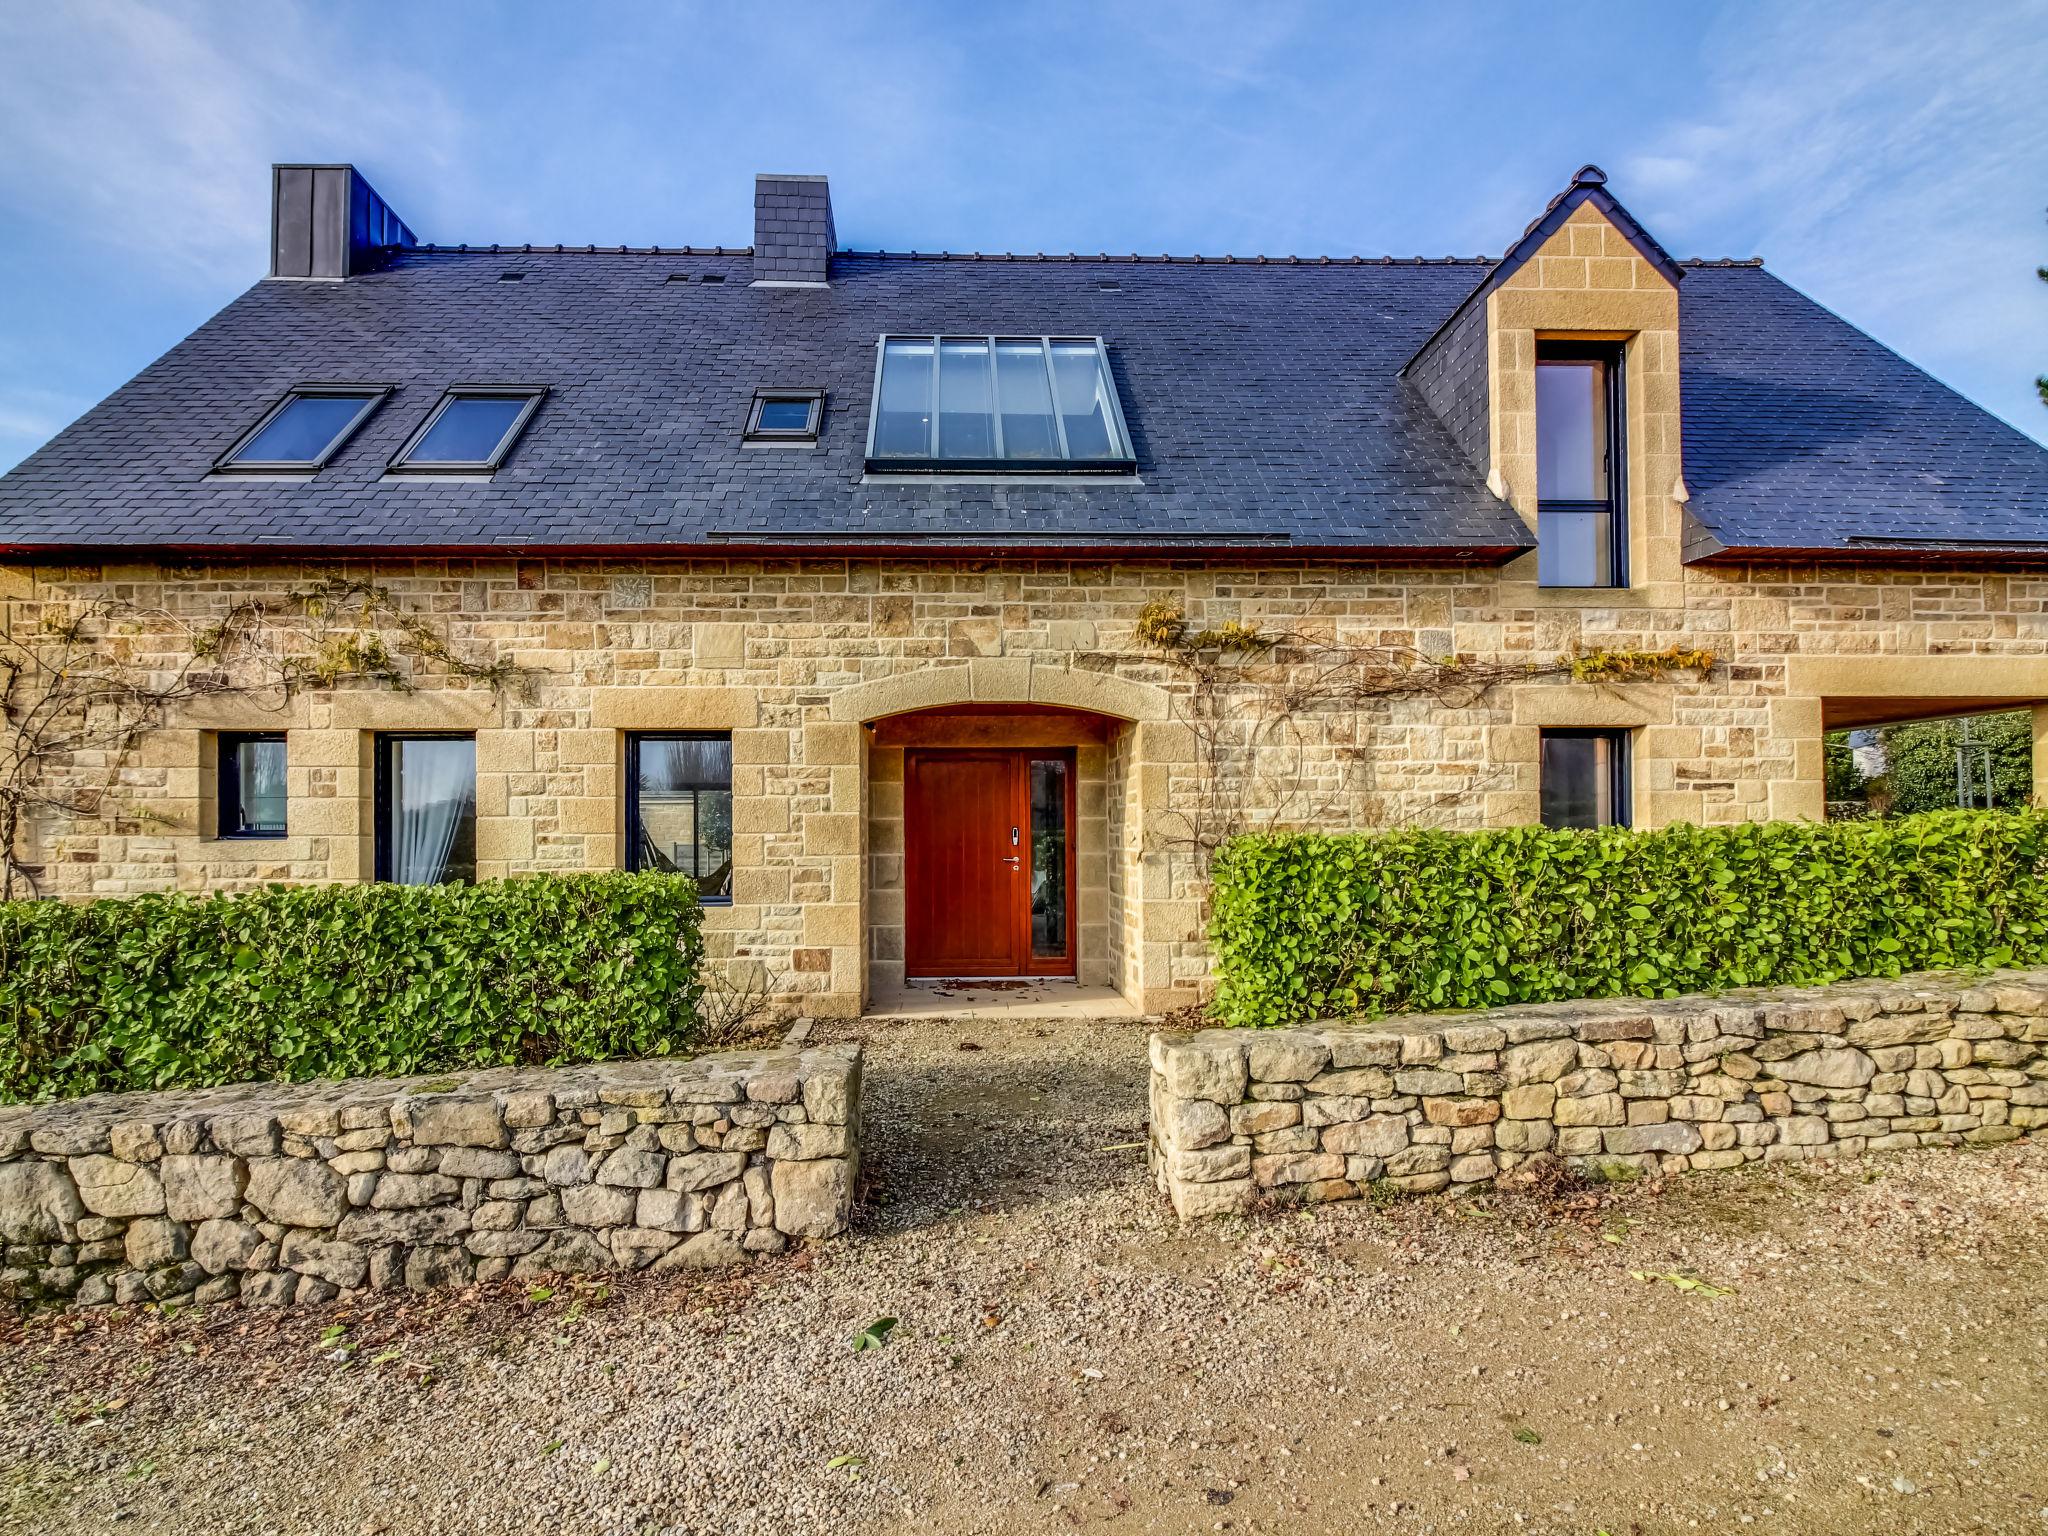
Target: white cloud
(1886, 159)
(153, 127)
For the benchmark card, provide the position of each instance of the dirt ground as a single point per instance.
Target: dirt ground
(1855, 1348)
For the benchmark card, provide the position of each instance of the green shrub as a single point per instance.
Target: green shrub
(1307, 926)
(344, 980)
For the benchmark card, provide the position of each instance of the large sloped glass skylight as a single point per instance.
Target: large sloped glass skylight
(304, 430)
(996, 403)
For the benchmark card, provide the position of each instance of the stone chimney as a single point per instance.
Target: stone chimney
(793, 235)
(326, 221)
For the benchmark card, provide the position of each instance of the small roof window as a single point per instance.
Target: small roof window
(303, 430)
(785, 415)
(1006, 404)
(471, 430)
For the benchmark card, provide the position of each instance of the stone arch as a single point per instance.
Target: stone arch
(1004, 680)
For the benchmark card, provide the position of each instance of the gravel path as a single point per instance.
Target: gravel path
(1066, 1358)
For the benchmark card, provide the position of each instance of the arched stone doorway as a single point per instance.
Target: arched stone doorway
(1102, 746)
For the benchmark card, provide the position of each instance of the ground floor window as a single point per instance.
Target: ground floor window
(1584, 780)
(679, 808)
(1970, 762)
(250, 784)
(426, 809)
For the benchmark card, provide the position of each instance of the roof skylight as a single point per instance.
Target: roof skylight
(303, 430)
(470, 431)
(1007, 404)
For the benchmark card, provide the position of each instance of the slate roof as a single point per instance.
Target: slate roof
(1264, 399)
(1803, 435)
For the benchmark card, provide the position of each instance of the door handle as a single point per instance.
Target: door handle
(1012, 859)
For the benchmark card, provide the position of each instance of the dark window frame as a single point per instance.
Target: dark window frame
(933, 464)
(808, 433)
(229, 464)
(1615, 506)
(380, 792)
(532, 394)
(227, 787)
(634, 739)
(1620, 779)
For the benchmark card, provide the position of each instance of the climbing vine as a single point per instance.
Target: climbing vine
(1287, 723)
(82, 685)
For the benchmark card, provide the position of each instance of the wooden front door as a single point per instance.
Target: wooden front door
(988, 862)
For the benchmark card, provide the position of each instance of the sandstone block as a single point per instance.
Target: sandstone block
(1530, 1101)
(803, 1141)
(1257, 1118)
(110, 1187)
(1296, 1168)
(1598, 1109)
(1674, 1136)
(218, 1246)
(39, 1203)
(1204, 1067)
(153, 1241)
(1844, 1068)
(1286, 1056)
(340, 1264)
(629, 1169)
(598, 1205)
(1427, 1081)
(812, 1199)
(437, 1120)
(1380, 1136)
(1456, 1112)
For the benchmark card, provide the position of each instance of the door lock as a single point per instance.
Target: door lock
(1013, 837)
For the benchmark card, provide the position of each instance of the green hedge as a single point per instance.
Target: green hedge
(343, 981)
(1307, 926)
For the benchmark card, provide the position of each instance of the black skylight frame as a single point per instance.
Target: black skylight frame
(888, 464)
(532, 394)
(228, 464)
(808, 433)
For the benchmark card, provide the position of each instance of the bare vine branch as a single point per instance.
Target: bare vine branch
(82, 685)
(1261, 704)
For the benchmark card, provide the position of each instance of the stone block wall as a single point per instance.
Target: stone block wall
(280, 1193)
(796, 658)
(1451, 1101)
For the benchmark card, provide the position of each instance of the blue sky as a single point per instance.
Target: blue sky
(1886, 157)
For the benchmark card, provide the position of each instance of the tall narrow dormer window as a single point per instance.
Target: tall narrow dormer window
(304, 430)
(1581, 528)
(471, 431)
(1001, 404)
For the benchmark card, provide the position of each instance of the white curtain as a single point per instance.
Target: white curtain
(434, 798)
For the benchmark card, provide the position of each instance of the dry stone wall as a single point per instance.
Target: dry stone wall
(279, 1193)
(1452, 1101)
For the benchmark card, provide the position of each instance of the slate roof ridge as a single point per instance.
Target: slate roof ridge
(430, 248)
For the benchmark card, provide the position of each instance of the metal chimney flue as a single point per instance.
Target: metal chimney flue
(327, 221)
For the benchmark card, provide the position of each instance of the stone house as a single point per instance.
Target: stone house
(830, 562)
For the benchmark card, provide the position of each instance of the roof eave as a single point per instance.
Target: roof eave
(919, 546)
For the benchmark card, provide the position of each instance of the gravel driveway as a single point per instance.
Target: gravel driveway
(1066, 1358)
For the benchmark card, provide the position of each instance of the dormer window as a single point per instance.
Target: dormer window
(1581, 531)
(470, 431)
(304, 430)
(1003, 404)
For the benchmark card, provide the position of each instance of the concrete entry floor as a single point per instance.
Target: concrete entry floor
(1022, 997)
